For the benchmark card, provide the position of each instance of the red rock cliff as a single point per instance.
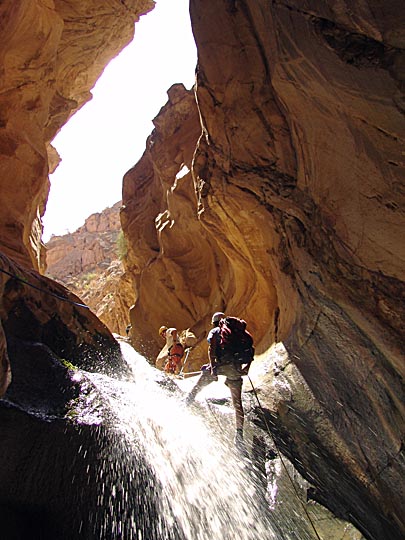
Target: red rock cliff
(88, 262)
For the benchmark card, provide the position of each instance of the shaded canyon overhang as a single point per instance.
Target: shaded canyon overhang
(302, 107)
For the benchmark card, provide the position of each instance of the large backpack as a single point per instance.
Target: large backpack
(235, 343)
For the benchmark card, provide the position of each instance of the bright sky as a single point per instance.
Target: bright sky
(103, 140)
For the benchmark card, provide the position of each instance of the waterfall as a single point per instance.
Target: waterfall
(203, 489)
(195, 485)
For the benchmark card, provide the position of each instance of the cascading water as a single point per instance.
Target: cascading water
(190, 482)
(203, 490)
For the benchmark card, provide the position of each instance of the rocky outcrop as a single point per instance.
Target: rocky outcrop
(169, 259)
(292, 216)
(81, 252)
(51, 463)
(50, 61)
(38, 310)
(88, 262)
(93, 244)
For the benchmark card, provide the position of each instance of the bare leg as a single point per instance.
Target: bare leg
(236, 394)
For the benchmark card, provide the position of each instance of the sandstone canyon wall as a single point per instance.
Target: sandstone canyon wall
(51, 54)
(292, 216)
(50, 61)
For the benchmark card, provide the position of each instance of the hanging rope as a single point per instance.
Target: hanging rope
(63, 298)
(213, 415)
(283, 462)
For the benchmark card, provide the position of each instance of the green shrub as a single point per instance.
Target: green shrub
(122, 248)
(68, 364)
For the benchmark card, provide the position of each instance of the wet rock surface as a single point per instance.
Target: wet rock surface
(59, 476)
(321, 447)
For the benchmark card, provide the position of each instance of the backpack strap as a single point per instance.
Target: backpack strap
(177, 350)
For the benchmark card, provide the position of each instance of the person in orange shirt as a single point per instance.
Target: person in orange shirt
(175, 351)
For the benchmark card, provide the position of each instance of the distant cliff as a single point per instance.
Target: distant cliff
(87, 261)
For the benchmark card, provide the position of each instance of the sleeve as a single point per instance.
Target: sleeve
(213, 343)
(213, 335)
(171, 336)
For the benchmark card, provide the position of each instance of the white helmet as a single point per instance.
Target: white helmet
(217, 317)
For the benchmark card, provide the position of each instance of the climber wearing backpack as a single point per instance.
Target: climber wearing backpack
(230, 351)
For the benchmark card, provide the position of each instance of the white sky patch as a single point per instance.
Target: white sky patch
(103, 140)
(182, 172)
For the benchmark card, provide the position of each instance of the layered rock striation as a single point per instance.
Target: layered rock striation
(292, 216)
(51, 54)
(176, 267)
(182, 269)
(50, 61)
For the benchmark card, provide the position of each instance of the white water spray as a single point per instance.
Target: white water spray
(172, 472)
(204, 490)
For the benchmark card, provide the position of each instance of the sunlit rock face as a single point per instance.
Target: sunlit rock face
(171, 262)
(50, 59)
(81, 251)
(49, 62)
(51, 54)
(184, 268)
(297, 181)
(88, 262)
(303, 113)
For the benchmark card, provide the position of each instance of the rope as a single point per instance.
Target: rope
(283, 462)
(214, 416)
(14, 276)
(185, 361)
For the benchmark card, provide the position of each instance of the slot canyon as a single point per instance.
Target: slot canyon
(273, 190)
